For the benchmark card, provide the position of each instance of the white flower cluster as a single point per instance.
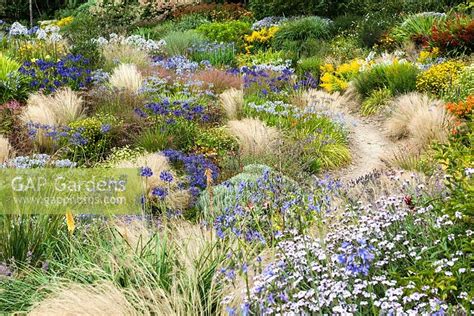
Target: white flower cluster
(133, 40)
(18, 29)
(50, 33)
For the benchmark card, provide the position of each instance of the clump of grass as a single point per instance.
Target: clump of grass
(179, 43)
(377, 100)
(60, 109)
(422, 119)
(85, 299)
(126, 77)
(232, 100)
(254, 136)
(124, 54)
(5, 149)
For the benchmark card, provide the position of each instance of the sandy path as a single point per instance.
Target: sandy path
(368, 147)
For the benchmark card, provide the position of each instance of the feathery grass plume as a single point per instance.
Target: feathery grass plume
(255, 138)
(61, 108)
(195, 290)
(4, 149)
(176, 198)
(419, 117)
(126, 77)
(85, 299)
(406, 156)
(67, 106)
(232, 100)
(116, 53)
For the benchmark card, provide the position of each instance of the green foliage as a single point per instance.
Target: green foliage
(372, 27)
(178, 42)
(416, 25)
(462, 87)
(301, 30)
(269, 57)
(232, 31)
(217, 54)
(89, 140)
(375, 102)
(457, 158)
(7, 66)
(81, 32)
(310, 65)
(215, 142)
(190, 22)
(398, 77)
(179, 135)
(28, 238)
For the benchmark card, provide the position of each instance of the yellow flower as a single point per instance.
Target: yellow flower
(33, 60)
(70, 222)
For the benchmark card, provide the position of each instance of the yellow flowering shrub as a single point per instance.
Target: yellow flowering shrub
(439, 78)
(64, 21)
(338, 78)
(260, 39)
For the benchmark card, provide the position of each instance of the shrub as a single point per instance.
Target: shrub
(398, 77)
(373, 27)
(255, 138)
(178, 42)
(232, 31)
(259, 39)
(126, 77)
(375, 102)
(337, 79)
(456, 157)
(439, 78)
(89, 140)
(302, 34)
(462, 87)
(453, 36)
(215, 143)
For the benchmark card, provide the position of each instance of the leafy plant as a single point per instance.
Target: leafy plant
(375, 102)
(398, 77)
(178, 42)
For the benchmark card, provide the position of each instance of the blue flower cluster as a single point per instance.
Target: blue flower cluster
(356, 257)
(267, 79)
(189, 109)
(61, 133)
(195, 167)
(48, 76)
(180, 64)
(268, 22)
